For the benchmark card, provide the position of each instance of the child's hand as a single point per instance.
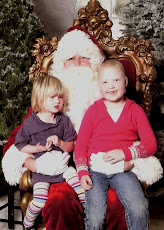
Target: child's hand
(53, 140)
(86, 182)
(128, 166)
(114, 156)
(41, 148)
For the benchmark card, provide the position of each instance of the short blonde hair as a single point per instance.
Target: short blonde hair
(43, 87)
(112, 63)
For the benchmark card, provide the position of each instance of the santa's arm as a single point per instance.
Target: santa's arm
(30, 163)
(13, 159)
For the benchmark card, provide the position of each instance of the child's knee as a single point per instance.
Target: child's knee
(95, 221)
(95, 218)
(140, 210)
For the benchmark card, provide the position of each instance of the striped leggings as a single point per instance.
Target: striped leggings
(40, 196)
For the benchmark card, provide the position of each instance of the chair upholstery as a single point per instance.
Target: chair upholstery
(137, 58)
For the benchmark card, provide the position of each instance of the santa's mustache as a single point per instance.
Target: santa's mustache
(78, 71)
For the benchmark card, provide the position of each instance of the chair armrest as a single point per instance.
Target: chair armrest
(25, 182)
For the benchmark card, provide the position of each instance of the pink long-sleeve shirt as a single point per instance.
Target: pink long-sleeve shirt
(99, 133)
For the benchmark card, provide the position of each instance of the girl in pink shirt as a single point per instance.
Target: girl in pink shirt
(105, 145)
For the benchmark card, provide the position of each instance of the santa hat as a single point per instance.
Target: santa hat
(79, 41)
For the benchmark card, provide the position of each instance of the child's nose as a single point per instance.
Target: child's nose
(56, 99)
(110, 85)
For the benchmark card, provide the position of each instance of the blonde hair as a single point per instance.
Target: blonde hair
(112, 63)
(43, 87)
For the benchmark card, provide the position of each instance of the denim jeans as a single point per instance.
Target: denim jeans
(130, 194)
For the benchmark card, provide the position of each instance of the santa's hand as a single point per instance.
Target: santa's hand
(136, 143)
(97, 162)
(52, 164)
(99, 165)
(62, 162)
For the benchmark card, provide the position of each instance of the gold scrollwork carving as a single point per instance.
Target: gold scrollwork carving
(44, 50)
(95, 20)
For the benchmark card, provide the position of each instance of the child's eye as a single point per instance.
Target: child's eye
(52, 96)
(116, 79)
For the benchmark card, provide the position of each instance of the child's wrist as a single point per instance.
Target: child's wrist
(59, 144)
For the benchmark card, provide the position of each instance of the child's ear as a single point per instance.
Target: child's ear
(126, 81)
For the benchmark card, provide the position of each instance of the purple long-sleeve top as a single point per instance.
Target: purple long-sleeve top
(34, 130)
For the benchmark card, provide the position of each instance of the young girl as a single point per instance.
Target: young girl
(47, 131)
(109, 128)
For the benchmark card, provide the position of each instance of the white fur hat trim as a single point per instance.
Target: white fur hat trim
(77, 42)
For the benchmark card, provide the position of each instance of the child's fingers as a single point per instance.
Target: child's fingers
(48, 144)
(86, 183)
(86, 186)
(48, 149)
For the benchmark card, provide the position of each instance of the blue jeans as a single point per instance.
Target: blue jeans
(129, 192)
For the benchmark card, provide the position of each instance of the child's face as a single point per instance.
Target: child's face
(53, 103)
(112, 83)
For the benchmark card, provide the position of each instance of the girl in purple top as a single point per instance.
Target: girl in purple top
(47, 131)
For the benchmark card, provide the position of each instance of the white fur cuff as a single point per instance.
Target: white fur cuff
(147, 169)
(12, 165)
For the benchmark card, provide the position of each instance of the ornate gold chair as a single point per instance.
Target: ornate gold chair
(136, 56)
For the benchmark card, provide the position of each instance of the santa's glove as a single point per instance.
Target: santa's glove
(52, 163)
(99, 165)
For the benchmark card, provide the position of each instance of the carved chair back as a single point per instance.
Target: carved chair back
(135, 55)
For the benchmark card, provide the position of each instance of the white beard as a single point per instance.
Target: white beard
(81, 89)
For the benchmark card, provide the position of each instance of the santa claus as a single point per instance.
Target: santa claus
(74, 63)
